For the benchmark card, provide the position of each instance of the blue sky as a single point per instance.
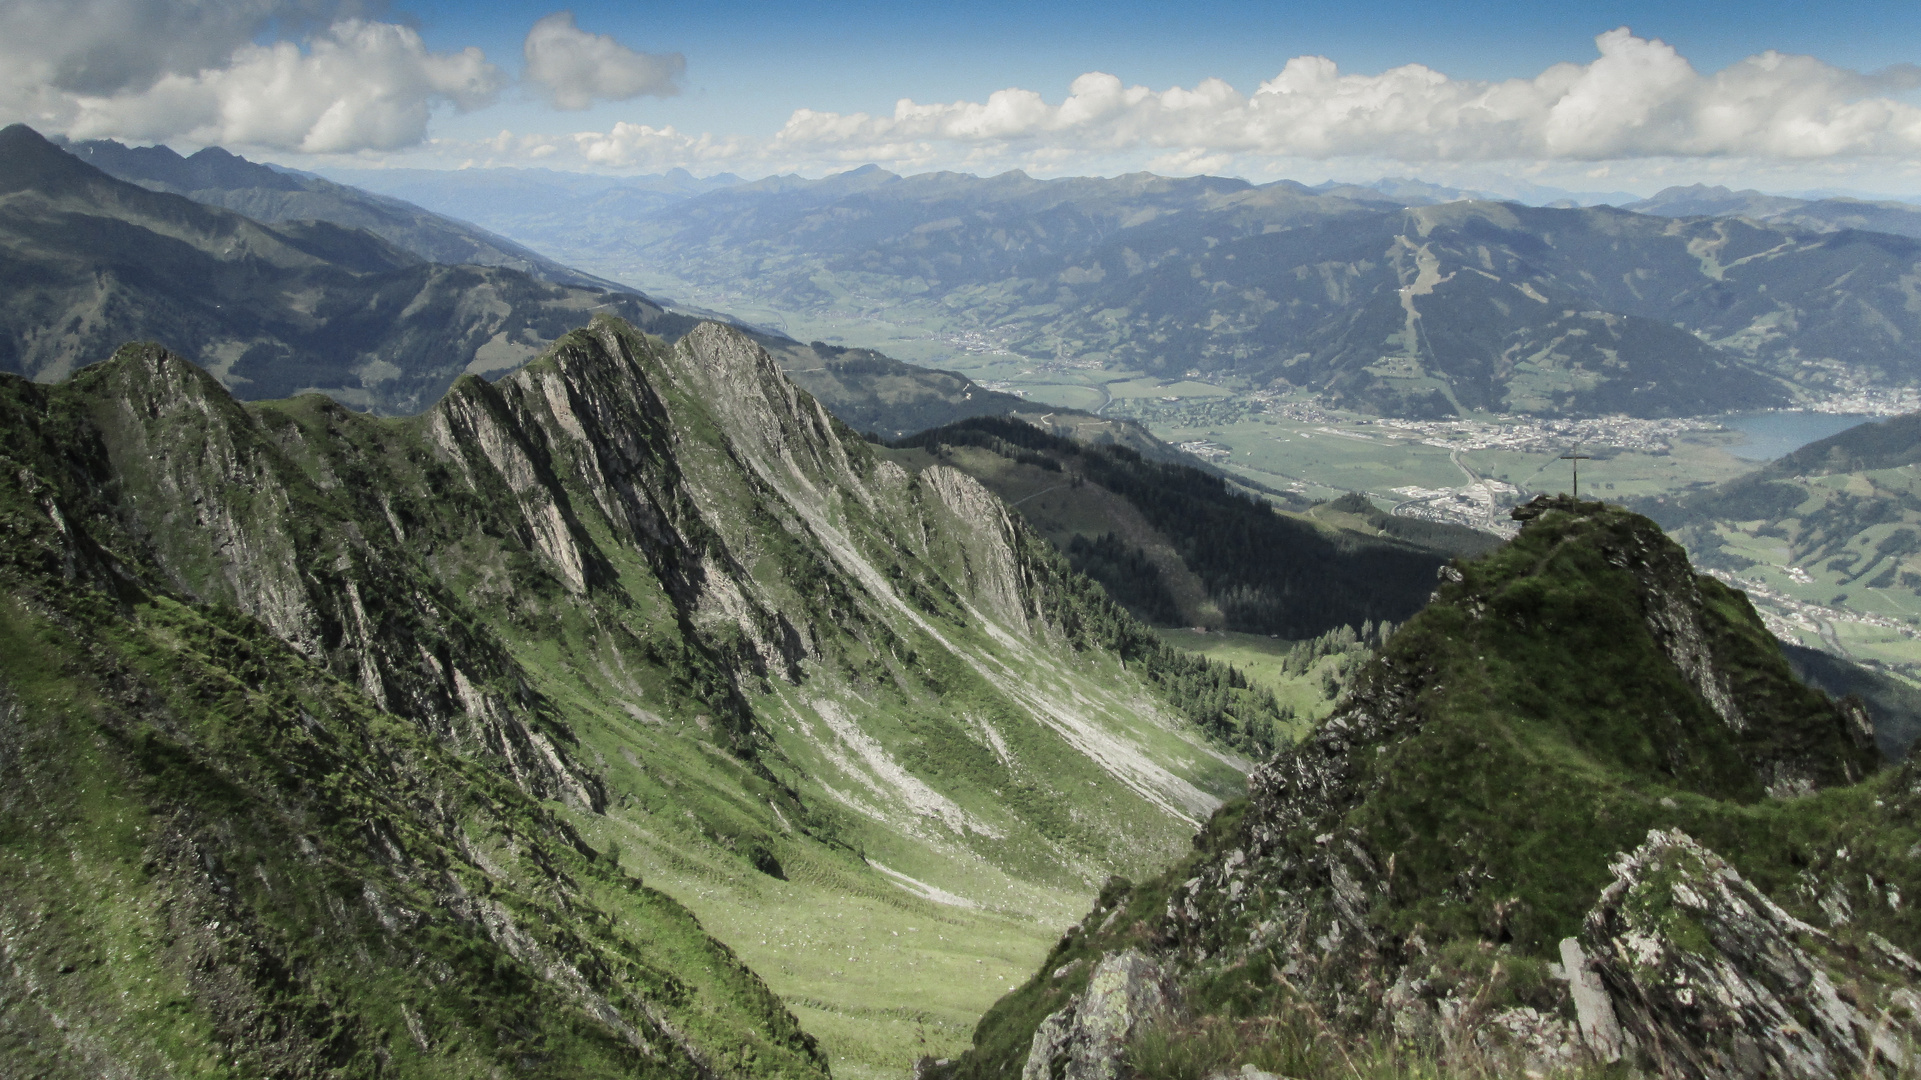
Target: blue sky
(751, 64)
(720, 87)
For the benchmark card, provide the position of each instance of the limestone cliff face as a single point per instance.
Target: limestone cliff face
(1438, 863)
(221, 501)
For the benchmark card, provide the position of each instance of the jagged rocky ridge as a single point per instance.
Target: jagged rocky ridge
(322, 708)
(1440, 866)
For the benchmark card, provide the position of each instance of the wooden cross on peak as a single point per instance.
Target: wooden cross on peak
(1577, 457)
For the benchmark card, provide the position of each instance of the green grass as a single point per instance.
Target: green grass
(1532, 729)
(1309, 695)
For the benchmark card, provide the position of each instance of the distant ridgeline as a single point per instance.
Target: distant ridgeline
(1357, 295)
(279, 283)
(328, 741)
(1260, 571)
(1438, 873)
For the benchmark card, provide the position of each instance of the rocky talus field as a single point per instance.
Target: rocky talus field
(627, 716)
(1576, 818)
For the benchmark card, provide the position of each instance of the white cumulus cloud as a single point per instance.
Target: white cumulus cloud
(359, 85)
(573, 68)
(1639, 98)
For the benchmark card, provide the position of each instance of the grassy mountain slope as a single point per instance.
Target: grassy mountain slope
(1827, 537)
(93, 262)
(1181, 546)
(222, 859)
(861, 721)
(218, 178)
(1405, 874)
(1417, 310)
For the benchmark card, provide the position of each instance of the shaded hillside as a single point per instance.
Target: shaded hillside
(436, 688)
(1178, 544)
(873, 392)
(1439, 871)
(1894, 705)
(218, 178)
(93, 262)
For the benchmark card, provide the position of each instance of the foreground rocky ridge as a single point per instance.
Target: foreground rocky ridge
(434, 686)
(1438, 866)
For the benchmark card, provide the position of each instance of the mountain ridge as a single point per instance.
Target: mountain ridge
(1436, 871)
(663, 606)
(216, 177)
(95, 261)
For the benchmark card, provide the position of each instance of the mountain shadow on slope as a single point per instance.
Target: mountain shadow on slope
(1265, 573)
(1436, 871)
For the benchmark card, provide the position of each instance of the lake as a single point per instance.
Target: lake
(1770, 435)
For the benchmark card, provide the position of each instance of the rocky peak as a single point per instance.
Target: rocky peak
(1438, 863)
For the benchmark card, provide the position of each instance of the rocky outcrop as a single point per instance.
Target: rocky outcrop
(1422, 866)
(1085, 1040)
(1715, 981)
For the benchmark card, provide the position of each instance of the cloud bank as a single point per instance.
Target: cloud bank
(1638, 99)
(573, 68)
(199, 72)
(158, 70)
(359, 85)
(212, 71)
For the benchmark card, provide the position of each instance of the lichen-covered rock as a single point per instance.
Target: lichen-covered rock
(1085, 1039)
(1716, 981)
(1593, 1009)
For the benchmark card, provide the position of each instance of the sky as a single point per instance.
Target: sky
(1596, 97)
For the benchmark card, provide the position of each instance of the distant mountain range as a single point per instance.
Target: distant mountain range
(1400, 297)
(536, 202)
(1374, 302)
(371, 300)
(1819, 215)
(265, 194)
(272, 310)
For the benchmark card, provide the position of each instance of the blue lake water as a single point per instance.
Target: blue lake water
(1773, 434)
